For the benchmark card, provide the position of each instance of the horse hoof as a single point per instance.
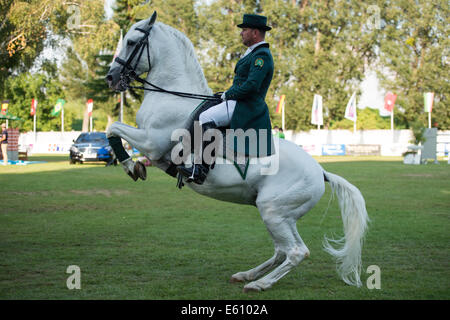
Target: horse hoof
(132, 176)
(235, 280)
(251, 289)
(253, 286)
(237, 277)
(140, 171)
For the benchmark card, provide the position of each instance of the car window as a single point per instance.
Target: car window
(92, 137)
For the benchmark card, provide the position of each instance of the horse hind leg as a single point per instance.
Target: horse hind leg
(288, 243)
(295, 251)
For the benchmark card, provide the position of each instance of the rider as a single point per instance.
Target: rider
(243, 105)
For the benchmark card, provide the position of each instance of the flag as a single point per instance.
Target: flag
(33, 107)
(58, 107)
(5, 106)
(90, 106)
(350, 110)
(428, 98)
(280, 104)
(316, 113)
(389, 101)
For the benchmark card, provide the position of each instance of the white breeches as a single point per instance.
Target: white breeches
(221, 114)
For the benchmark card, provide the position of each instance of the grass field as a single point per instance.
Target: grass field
(149, 240)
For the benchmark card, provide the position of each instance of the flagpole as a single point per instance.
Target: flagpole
(392, 124)
(90, 123)
(34, 125)
(62, 118)
(392, 120)
(282, 117)
(429, 119)
(121, 93)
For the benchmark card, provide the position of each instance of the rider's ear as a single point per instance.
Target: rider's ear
(152, 19)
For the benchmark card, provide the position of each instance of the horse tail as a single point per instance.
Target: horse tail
(355, 220)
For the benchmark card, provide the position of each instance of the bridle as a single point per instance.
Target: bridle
(128, 72)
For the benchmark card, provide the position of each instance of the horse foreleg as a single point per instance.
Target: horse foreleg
(137, 138)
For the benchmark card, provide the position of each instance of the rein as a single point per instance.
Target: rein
(128, 72)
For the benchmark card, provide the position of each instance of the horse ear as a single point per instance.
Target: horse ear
(152, 19)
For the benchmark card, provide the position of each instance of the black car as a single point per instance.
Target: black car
(92, 146)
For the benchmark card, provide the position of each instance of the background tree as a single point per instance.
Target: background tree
(94, 34)
(24, 27)
(47, 90)
(414, 57)
(319, 47)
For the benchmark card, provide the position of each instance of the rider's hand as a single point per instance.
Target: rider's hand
(223, 96)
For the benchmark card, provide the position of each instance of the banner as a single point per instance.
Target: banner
(90, 106)
(350, 110)
(428, 98)
(316, 112)
(5, 106)
(333, 150)
(389, 101)
(280, 104)
(58, 107)
(33, 107)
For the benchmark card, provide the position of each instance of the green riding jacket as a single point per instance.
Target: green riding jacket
(253, 74)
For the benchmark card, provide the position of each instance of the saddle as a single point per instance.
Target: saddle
(240, 162)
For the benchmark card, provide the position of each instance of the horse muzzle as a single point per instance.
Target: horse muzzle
(115, 81)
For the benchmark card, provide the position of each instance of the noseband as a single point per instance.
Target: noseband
(128, 72)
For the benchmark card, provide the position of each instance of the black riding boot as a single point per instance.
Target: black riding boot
(197, 172)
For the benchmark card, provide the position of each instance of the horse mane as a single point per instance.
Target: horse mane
(189, 52)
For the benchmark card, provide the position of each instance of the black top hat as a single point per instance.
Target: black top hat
(255, 21)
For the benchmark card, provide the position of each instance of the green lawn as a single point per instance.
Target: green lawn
(149, 240)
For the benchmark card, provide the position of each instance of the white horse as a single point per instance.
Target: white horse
(282, 198)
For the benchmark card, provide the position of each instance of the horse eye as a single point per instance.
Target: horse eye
(131, 42)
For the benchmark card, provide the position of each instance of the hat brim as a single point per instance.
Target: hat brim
(245, 25)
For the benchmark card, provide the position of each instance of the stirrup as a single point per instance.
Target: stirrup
(197, 173)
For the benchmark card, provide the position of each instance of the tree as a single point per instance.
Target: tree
(367, 119)
(26, 86)
(319, 47)
(93, 35)
(415, 50)
(24, 26)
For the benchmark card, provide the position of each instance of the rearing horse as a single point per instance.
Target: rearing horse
(281, 198)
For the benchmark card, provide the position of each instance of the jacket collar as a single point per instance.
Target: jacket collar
(255, 46)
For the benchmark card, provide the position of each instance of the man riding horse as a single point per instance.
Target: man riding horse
(243, 106)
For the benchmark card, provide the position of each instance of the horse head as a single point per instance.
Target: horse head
(134, 57)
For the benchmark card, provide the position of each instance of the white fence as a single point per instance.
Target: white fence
(315, 142)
